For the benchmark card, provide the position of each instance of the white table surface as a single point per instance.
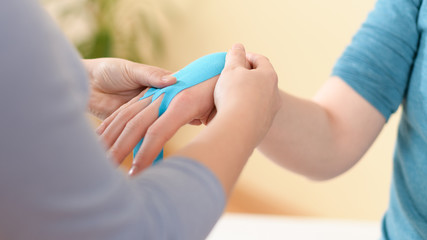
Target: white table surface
(251, 227)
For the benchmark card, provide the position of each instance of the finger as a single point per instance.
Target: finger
(112, 132)
(195, 122)
(145, 75)
(158, 134)
(134, 131)
(259, 61)
(101, 128)
(236, 57)
(104, 124)
(211, 116)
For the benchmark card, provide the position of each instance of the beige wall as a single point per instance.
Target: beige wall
(303, 39)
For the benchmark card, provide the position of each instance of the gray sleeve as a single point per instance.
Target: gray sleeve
(55, 179)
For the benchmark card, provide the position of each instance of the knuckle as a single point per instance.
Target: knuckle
(153, 73)
(155, 133)
(265, 58)
(271, 76)
(103, 71)
(101, 67)
(122, 107)
(184, 98)
(132, 125)
(152, 132)
(116, 153)
(127, 71)
(122, 116)
(256, 55)
(101, 126)
(262, 57)
(259, 57)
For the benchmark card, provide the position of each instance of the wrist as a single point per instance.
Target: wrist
(237, 124)
(224, 146)
(244, 120)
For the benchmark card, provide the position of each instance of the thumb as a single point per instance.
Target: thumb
(150, 76)
(236, 57)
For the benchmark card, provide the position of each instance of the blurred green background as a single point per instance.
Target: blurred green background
(130, 29)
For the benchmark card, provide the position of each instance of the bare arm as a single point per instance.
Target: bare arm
(324, 137)
(224, 147)
(244, 115)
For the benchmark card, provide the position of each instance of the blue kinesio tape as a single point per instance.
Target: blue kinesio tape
(194, 73)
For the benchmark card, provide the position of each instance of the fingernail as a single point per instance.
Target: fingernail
(238, 46)
(132, 171)
(168, 78)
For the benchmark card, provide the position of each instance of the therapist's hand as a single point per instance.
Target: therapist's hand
(247, 100)
(139, 118)
(250, 94)
(114, 82)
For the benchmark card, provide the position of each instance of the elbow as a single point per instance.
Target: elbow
(325, 174)
(321, 177)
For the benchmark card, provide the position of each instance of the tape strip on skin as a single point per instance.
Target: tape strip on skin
(194, 73)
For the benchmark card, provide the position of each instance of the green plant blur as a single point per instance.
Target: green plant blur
(130, 29)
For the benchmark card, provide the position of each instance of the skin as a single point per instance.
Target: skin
(225, 144)
(125, 127)
(244, 115)
(319, 138)
(326, 136)
(113, 82)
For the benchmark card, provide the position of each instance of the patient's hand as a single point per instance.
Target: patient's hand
(139, 118)
(115, 81)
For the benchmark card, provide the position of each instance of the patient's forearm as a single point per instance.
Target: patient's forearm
(324, 137)
(224, 146)
(301, 138)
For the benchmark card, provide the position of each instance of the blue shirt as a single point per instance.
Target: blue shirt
(386, 63)
(55, 179)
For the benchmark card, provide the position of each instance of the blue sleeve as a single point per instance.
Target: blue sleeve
(378, 62)
(55, 179)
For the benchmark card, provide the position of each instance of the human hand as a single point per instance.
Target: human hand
(249, 94)
(139, 118)
(247, 100)
(114, 82)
